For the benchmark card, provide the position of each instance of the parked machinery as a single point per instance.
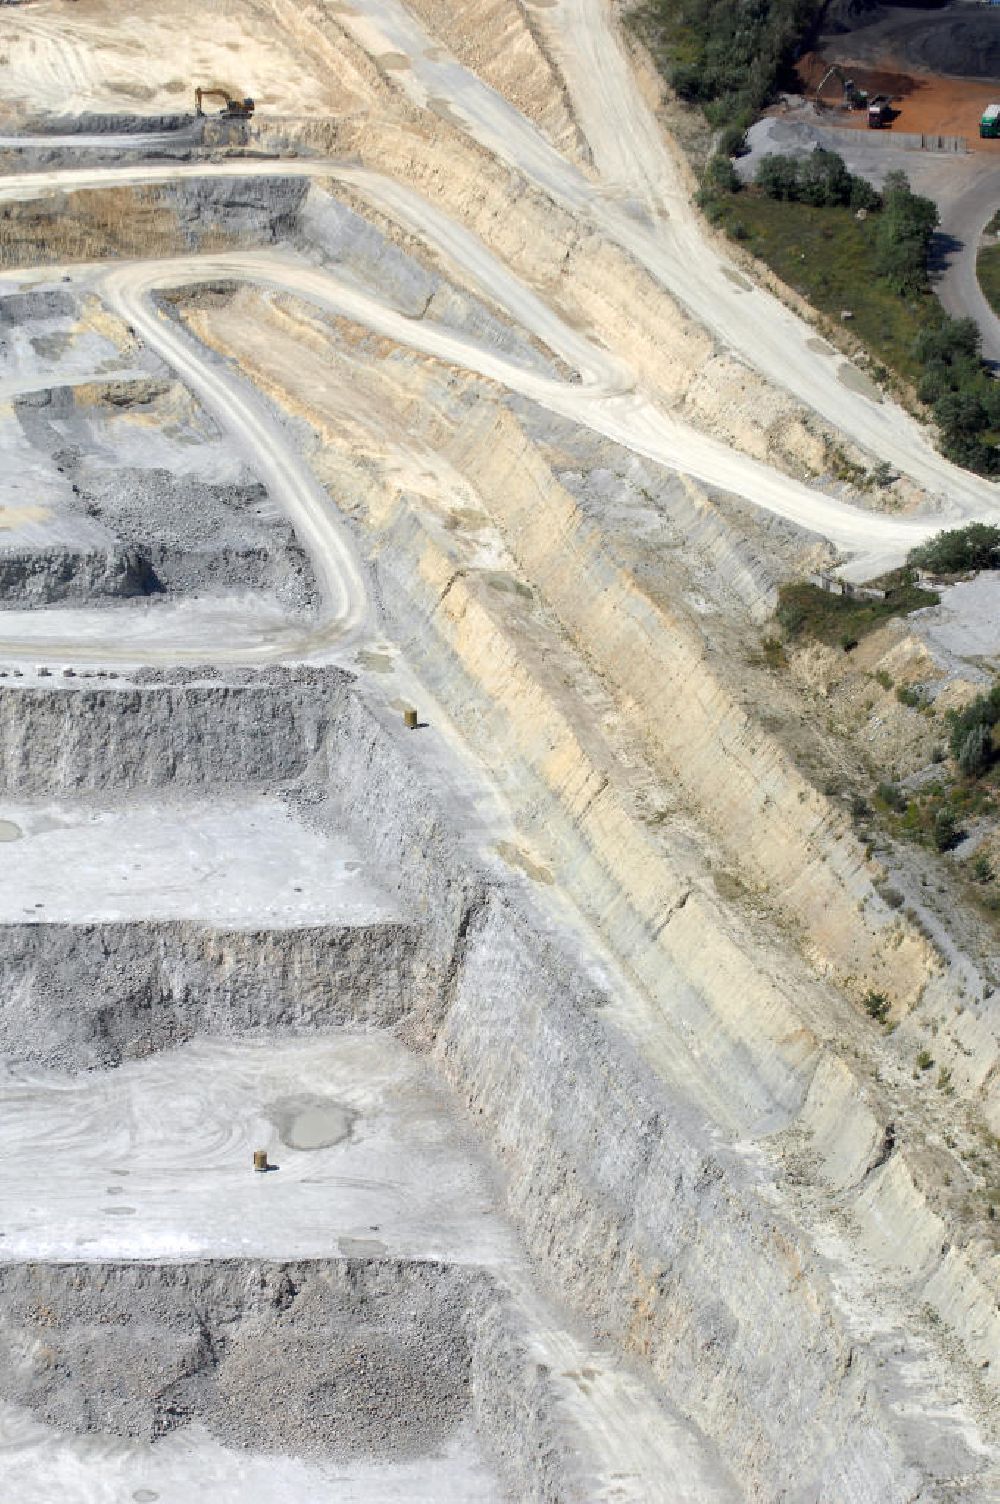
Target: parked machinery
(879, 112)
(232, 109)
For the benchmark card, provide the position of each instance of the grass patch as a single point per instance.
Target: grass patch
(830, 258)
(988, 272)
(805, 610)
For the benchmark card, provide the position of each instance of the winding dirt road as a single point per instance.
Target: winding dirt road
(638, 201)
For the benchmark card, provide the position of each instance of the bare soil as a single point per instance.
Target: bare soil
(926, 103)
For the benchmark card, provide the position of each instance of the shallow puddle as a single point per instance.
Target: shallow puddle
(737, 279)
(378, 663)
(361, 1248)
(312, 1122)
(857, 381)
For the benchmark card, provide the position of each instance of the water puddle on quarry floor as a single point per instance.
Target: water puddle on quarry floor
(312, 1123)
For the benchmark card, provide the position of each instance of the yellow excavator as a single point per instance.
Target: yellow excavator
(233, 109)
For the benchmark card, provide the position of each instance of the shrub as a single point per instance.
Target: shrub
(945, 830)
(806, 609)
(791, 614)
(721, 175)
(876, 1005)
(773, 652)
(982, 869)
(733, 141)
(909, 694)
(892, 797)
(976, 752)
(924, 1060)
(882, 475)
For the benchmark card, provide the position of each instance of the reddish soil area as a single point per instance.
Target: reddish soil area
(927, 103)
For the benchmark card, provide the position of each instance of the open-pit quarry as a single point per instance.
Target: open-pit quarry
(395, 487)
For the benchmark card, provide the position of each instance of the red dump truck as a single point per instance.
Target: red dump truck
(879, 112)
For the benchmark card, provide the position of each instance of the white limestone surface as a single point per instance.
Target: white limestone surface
(154, 1160)
(229, 861)
(967, 622)
(40, 1465)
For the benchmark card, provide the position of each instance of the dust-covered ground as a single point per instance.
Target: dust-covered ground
(400, 779)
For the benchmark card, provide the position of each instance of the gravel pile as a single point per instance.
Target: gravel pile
(347, 1357)
(959, 41)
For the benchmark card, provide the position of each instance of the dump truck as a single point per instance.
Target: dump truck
(232, 109)
(879, 112)
(989, 124)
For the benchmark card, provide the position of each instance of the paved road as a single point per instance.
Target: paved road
(962, 225)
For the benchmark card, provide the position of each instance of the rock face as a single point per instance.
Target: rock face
(633, 952)
(164, 219)
(153, 736)
(90, 996)
(48, 577)
(350, 1358)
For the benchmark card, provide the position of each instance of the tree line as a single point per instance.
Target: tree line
(954, 381)
(727, 56)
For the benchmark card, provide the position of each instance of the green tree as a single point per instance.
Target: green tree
(953, 342)
(976, 751)
(959, 549)
(863, 195)
(824, 179)
(778, 176)
(727, 57)
(903, 236)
